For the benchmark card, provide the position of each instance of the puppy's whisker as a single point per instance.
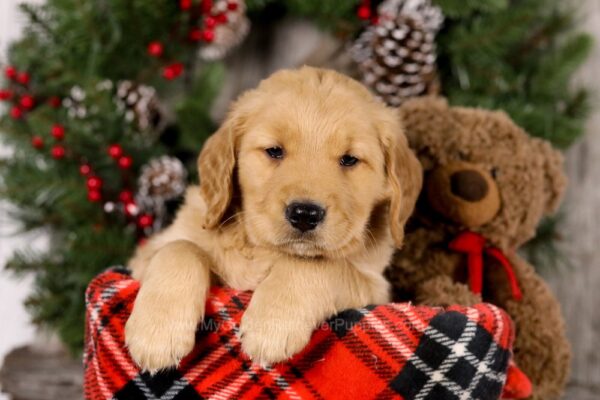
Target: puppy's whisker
(371, 237)
(237, 214)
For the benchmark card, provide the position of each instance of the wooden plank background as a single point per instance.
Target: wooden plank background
(579, 289)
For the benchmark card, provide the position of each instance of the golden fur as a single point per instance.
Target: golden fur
(232, 227)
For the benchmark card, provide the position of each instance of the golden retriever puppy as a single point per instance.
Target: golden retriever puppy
(304, 192)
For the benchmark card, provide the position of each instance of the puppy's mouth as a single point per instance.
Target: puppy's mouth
(304, 245)
(313, 245)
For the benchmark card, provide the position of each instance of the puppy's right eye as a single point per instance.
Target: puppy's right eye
(348, 161)
(275, 152)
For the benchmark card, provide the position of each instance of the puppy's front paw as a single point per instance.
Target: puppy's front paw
(268, 339)
(159, 336)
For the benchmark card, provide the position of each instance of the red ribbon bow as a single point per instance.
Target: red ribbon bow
(473, 244)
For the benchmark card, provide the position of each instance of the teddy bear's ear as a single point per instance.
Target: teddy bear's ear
(423, 116)
(424, 104)
(554, 176)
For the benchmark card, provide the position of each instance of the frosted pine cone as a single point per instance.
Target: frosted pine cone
(162, 179)
(397, 56)
(140, 104)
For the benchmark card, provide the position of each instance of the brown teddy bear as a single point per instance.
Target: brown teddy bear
(487, 185)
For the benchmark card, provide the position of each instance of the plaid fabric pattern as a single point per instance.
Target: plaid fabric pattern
(393, 351)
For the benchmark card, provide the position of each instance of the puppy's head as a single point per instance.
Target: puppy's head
(323, 169)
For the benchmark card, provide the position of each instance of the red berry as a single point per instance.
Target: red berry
(54, 101)
(131, 209)
(185, 4)
(58, 132)
(94, 196)
(364, 12)
(85, 169)
(5, 94)
(173, 71)
(115, 151)
(10, 72)
(145, 220)
(155, 49)
(27, 102)
(23, 78)
(232, 6)
(178, 68)
(125, 162)
(125, 196)
(206, 6)
(37, 142)
(208, 35)
(168, 73)
(16, 112)
(94, 183)
(209, 22)
(195, 34)
(58, 152)
(221, 18)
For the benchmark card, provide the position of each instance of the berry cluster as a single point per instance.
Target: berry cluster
(23, 100)
(17, 92)
(204, 17)
(126, 201)
(115, 151)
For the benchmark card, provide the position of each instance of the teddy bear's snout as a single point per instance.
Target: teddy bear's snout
(463, 192)
(469, 185)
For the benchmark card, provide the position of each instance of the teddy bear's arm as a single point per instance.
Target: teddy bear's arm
(425, 272)
(541, 347)
(443, 291)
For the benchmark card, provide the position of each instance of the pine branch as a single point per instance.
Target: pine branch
(34, 15)
(466, 8)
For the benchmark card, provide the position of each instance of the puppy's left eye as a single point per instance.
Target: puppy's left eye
(275, 152)
(347, 160)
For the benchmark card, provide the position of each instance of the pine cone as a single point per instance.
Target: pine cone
(140, 104)
(162, 179)
(396, 57)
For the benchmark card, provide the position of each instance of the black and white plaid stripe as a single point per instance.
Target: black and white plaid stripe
(456, 359)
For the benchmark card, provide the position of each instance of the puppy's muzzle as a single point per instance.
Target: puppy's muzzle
(304, 216)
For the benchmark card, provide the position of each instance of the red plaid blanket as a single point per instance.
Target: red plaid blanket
(392, 351)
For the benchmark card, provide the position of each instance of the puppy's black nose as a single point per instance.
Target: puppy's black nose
(304, 216)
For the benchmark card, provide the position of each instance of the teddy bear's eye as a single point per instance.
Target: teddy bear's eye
(494, 173)
(462, 156)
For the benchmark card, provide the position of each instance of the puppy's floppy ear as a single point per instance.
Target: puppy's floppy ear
(404, 174)
(216, 165)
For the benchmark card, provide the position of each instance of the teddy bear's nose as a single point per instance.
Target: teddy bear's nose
(469, 185)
